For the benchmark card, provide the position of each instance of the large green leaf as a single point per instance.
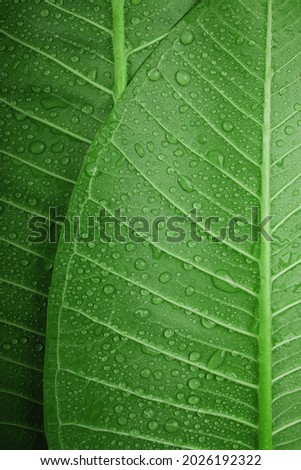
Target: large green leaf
(58, 86)
(172, 345)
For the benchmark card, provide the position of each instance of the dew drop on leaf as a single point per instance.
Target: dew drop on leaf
(164, 277)
(108, 289)
(289, 130)
(194, 383)
(37, 147)
(140, 264)
(208, 323)
(154, 74)
(217, 359)
(141, 313)
(182, 77)
(224, 285)
(185, 184)
(227, 126)
(187, 37)
(148, 413)
(139, 150)
(194, 356)
(171, 425)
(152, 425)
(168, 333)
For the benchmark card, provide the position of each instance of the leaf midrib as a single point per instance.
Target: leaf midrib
(120, 58)
(265, 313)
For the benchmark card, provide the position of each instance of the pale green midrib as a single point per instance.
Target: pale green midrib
(265, 314)
(120, 58)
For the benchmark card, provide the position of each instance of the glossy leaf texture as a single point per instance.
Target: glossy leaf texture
(58, 81)
(154, 344)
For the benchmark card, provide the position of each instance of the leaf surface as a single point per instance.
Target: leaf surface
(188, 345)
(58, 86)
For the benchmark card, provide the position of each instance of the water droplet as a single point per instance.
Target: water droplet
(194, 356)
(158, 374)
(58, 147)
(92, 74)
(227, 126)
(182, 77)
(224, 285)
(120, 358)
(168, 333)
(108, 289)
(37, 147)
(152, 425)
(154, 75)
(145, 373)
(193, 400)
(39, 347)
(164, 277)
(44, 13)
(148, 413)
(201, 139)
(122, 420)
(208, 323)
(194, 383)
(141, 313)
(65, 161)
(189, 291)
(217, 359)
(139, 150)
(87, 109)
(187, 37)
(185, 184)
(32, 201)
(140, 264)
(171, 425)
(53, 102)
(289, 130)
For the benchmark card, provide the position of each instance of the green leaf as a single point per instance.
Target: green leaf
(58, 86)
(161, 345)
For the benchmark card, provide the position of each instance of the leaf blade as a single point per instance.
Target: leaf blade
(58, 89)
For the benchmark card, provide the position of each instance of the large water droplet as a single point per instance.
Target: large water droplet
(187, 37)
(185, 184)
(182, 77)
(171, 425)
(37, 147)
(225, 286)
